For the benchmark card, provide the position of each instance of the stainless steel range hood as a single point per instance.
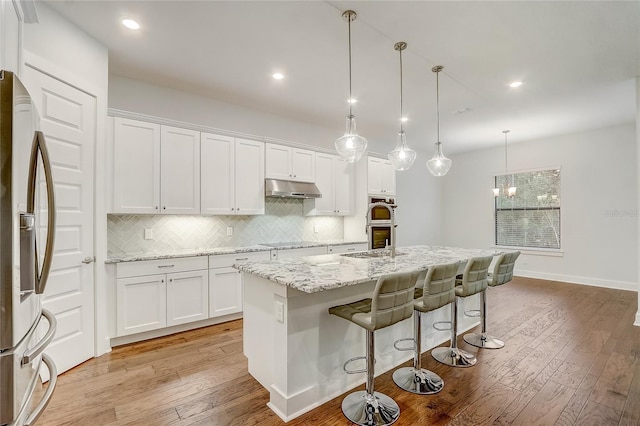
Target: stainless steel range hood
(289, 189)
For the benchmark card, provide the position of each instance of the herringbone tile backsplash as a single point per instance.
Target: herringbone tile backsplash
(283, 221)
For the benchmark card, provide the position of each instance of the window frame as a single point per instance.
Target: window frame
(544, 251)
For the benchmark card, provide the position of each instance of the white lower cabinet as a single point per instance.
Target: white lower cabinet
(225, 282)
(225, 291)
(141, 303)
(154, 294)
(187, 294)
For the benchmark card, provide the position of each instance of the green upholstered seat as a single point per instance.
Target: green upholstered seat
(503, 269)
(392, 302)
(437, 289)
(474, 277)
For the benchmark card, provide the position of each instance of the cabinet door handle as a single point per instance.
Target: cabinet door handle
(232, 209)
(164, 207)
(166, 266)
(156, 207)
(351, 249)
(170, 280)
(89, 259)
(162, 281)
(242, 258)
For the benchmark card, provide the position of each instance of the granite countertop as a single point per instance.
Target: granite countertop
(133, 257)
(312, 274)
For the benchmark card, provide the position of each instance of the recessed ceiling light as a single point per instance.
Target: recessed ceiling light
(515, 84)
(404, 119)
(278, 76)
(352, 100)
(131, 24)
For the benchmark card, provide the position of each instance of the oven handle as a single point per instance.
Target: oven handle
(53, 380)
(30, 355)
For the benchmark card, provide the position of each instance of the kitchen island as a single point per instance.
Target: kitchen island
(296, 350)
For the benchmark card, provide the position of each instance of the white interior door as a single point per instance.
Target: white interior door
(68, 120)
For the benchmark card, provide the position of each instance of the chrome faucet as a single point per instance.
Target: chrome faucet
(392, 215)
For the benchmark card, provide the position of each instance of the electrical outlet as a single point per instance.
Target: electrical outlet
(229, 231)
(148, 234)
(279, 312)
(316, 228)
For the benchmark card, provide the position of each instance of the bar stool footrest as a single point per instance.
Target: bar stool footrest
(347, 362)
(364, 409)
(473, 313)
(436, 325)
(421, 382)
(411, 339)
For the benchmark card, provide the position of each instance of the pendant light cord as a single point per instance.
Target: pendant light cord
(401, 115)
(438, 105)
(350, 96)
(505, 152)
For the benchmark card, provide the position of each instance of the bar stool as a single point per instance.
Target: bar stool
(391, 302)
(474, 280)
(502, 274)
(437, 291)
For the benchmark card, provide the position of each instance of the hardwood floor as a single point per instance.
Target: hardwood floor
(571, 358)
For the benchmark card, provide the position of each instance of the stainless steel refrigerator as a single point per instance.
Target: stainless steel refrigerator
(27, 216)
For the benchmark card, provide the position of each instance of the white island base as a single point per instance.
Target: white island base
(296, 350)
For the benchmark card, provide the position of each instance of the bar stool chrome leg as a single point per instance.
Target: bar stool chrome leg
(453, 356)
(482, 340)
(369, 408)
(416, 379)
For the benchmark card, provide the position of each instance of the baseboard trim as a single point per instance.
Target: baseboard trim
(637, 322)
(573, 279)
(138, 337)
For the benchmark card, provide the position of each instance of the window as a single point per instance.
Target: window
(531, 217)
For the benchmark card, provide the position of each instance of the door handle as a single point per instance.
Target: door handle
(40, 145)
(88, 259)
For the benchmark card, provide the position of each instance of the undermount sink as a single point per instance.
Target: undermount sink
(372, 253)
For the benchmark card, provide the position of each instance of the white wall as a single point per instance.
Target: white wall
(420, 198)
(10, 37)
(637, 322)
(144, 98)
(599, 226)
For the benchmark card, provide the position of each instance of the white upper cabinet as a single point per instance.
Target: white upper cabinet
(217, 164)
(287, 163)
(381, 176)
(249, 177)
(136, 166)
(334, 179)
(232, 175)
(156, 169)
(179, 170)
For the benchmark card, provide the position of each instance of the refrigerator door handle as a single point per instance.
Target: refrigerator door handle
(39, 145)
(53, 380)
(30, 355)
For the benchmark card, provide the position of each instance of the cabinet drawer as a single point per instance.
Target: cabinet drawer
(227, 260)
(301, 252)
(161, 266)
(347, 248)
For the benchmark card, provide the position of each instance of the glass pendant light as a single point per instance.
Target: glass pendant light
(350, 146)
(439, 165)
(509, 191)
(402, 156)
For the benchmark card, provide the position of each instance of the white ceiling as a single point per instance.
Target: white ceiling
(577, 59)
